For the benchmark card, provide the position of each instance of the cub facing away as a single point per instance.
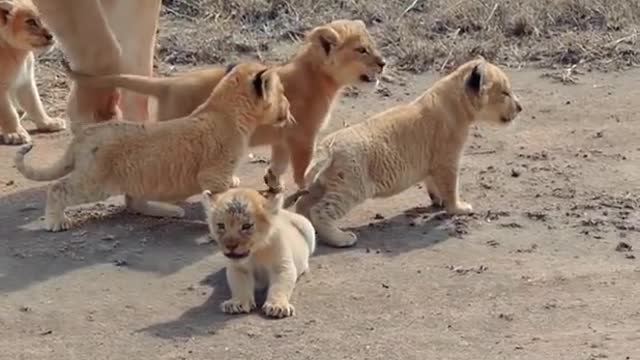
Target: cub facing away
(417, 142)
(21, 34)
(331, 57)
(266, 246)
(167, 161)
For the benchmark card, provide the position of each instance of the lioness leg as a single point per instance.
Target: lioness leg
(324, 214)
(445, 180)
(282, 280)
(68, 192)
(242, 285)
(12, 131)
(153, 208)
(279, 164)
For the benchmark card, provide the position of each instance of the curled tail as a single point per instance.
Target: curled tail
(147, 85)
(321, 161)
(60, 168)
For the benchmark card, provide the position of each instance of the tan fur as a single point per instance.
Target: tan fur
(417, 142)
(266, 246)
(104, 37)
(333, 55)
(167, 161)
(21, 34)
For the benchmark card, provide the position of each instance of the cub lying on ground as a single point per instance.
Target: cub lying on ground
(333, 56)
(266, 246)
(166, 161)
(22, 33)
(410, 143)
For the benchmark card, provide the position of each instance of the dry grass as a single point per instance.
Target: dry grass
(417, 35)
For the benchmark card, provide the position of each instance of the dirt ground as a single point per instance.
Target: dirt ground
(545, 269)
(538, 272)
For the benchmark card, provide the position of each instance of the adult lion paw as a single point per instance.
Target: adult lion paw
(233, 306)
(278, 309)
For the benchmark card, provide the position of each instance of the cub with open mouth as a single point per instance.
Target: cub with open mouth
(265, 244)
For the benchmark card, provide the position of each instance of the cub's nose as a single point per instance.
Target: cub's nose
(48, 36)
(518, 107)
(381, 62)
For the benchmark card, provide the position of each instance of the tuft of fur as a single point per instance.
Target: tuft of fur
(262, 241)
(204, 149)
(332, 56)
(421, 141)
(21, 34)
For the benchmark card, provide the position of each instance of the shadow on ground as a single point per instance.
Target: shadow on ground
(392, 236)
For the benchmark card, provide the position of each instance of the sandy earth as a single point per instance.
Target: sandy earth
(537, 273)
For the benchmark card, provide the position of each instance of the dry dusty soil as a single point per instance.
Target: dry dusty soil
(545, 269)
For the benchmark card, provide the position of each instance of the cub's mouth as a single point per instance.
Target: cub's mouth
(236, 256)
(505, 119)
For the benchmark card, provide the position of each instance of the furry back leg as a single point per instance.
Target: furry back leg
(67, 192)
(334, 204)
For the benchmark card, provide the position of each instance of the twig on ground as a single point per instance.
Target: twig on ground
(446, 60)
(622, 39)
(409, 8)
(493, 12)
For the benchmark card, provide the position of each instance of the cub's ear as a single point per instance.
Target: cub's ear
(263, 83)
(273, 202)
(207, 200)
(326, 37)
(475, 80)
(5, 10)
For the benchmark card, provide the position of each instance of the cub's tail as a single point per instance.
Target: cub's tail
(147, 85)
(60, 168)
(321, 160)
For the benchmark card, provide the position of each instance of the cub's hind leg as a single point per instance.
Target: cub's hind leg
(153, 208)
(336, 201)
(73, 190)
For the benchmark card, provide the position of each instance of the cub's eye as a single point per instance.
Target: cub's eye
(361, 50)
(247, 226)
(32, 22)
(220, 226)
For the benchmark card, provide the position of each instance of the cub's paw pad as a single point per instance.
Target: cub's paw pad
(278, 310)
(52, 124)
(273, 182)
(461, 208)
(342, 239)
(237, 307)
(61, 225)
(235, 181)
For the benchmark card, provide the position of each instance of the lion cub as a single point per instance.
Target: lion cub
(265, 244)
(21, 33)
(417, 142)
(166, 161)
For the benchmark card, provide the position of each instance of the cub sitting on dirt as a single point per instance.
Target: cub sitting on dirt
(266, 246)
(333, 56)
(166, 161)
(393, 150)
(22, 33)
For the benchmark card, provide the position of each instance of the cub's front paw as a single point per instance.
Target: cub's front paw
(273, 182)
(278, 309)
(233, 306)
(461, 208)
(341, 239)
(19, 137)
(56, 225)
(52, 125)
